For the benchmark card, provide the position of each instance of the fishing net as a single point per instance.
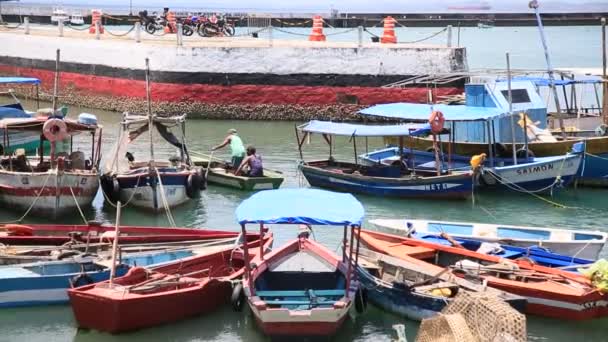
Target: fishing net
(598, 274)
(486, 318)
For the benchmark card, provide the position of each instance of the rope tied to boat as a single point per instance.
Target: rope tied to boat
(33, 202)
(164, 200)
(108, 200)
(84, 219)
(70, 26)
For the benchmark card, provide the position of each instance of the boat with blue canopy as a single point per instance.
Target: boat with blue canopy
(302, 288)
(396, 179)
(484, 125)
(14, 109)
(520, 171)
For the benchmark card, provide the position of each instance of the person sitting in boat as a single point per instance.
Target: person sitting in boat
(237, 149)
(253, 162)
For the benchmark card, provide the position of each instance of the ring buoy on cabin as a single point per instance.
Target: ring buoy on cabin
(19, 230)
(437, 122)
(55, 130)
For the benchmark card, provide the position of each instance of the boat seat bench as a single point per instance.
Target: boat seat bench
(296, 293)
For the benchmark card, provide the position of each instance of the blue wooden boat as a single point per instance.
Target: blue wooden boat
(585, 244)
(534, 254)
(483, 125)
(529, 174)
(47, 282)
(379, 180)
(411, 290)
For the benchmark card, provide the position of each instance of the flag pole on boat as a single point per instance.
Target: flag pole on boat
(534, 5)
(604, 77)
(510, 90)
(115, 243)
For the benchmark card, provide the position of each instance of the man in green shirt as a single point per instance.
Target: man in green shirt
(237, 149)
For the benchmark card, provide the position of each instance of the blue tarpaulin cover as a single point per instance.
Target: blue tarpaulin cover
(22, 80)
(422, 112)
(347, 129)
(301, 206)
(11, 112)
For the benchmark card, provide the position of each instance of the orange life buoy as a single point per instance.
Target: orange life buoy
(19, 230)
(436, 121)
(55, 130)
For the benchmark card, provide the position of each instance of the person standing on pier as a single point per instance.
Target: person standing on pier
(237, 149)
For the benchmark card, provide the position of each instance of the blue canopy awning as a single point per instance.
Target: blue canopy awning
(422, 112)
(19, 80)
(301, 206)
(347, 129)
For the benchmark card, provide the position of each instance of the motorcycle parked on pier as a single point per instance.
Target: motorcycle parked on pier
(214, 27)
(152, 23)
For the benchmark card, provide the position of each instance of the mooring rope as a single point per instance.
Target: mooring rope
(70, 26)
(130, 198)
(84, 219)
(164, 199)
(34, 202)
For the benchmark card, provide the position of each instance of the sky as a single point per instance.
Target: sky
(345, 6)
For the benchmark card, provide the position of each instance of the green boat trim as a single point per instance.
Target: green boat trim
(220, 176)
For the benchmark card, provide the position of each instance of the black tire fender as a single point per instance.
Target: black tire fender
(237, 299)
(81, 280)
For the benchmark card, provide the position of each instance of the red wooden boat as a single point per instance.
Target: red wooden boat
(302, 288)
(145, 298)
(550, 292)
(56, 234)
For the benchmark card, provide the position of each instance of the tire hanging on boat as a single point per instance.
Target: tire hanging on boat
(237, 299)
(81, 280)
(111, 187)
(193, 185)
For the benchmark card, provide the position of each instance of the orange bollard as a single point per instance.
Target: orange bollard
(388, 37)
(317, 30)
(96, 17)
(171, 23)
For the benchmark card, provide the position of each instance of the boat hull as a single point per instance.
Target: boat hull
(593, 171)
(114, 315)
(577, 299)
(52, 194)
(279, 313)
(220, 176)
(456, 186)
(541, 175)
(143, 190)
(409, 304)
(32, 289)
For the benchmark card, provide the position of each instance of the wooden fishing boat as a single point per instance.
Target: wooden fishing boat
(153, 185)
(57, 235)
(380, 180)
(583, 244)
(220, 174)
(550, 292)
(487, 128)
(181, 289)
(47, 282)
(537, 174)
(413, 291)
(59, 184)
(302, 288)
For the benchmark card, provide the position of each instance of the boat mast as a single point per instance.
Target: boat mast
(150, 117)
(56, 81)
(534, 5)
(510, 90)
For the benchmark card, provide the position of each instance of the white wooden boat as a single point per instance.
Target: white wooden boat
(55, 185)
(580, 243)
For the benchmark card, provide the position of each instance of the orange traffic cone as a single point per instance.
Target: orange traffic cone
(388, 37)
(95, 17)
(317, 30)
(171, 23)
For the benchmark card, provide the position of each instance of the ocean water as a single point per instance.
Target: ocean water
(571, 47)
